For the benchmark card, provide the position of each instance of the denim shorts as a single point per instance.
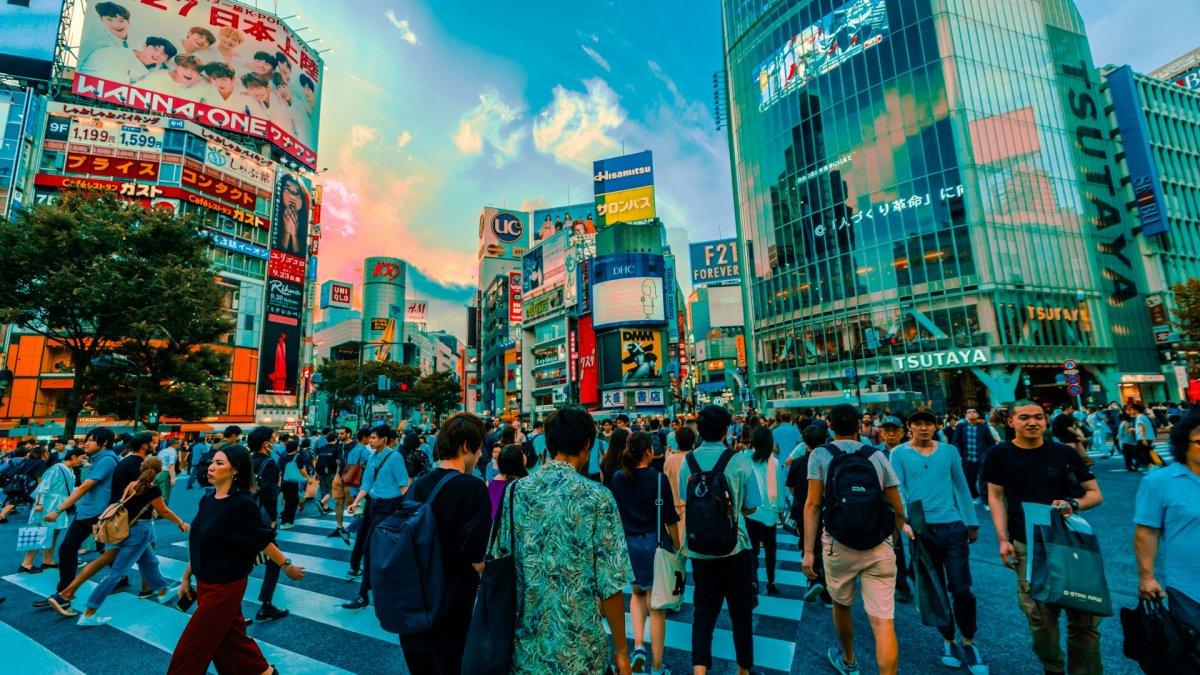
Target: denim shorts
(641, 558)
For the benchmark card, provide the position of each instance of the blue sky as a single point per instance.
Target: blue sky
(433, 110)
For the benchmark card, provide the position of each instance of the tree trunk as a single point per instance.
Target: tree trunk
(80, 361)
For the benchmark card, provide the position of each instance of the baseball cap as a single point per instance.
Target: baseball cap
(891, 420)
(922, 416)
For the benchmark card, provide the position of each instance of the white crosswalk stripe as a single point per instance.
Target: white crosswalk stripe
(34, 657)
(324, 557)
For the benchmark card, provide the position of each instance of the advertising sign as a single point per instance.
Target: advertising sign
(535, 308)
(279, 362)
(503, 233)
(280, 353)
(113, 167)
(104, 133)
(577, 218)
(514, 298)
(623, 173)
(627, 289)
(214, 187)
(845, 32)
(715, 262)
(237, 245)
(293, 204)
(532, 267)
(589, 375)
(625, 206)
(416, 312)
(336, 294)
(28, 36)
(545, 266)
(641, 354)
(217, 62)
(1143, 170)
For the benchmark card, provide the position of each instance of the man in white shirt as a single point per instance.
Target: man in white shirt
(183, 80)
(127, 66)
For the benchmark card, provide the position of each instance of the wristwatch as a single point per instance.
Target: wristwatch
(287, 562)
(1073, 504)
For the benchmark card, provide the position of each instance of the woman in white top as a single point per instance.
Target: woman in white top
(57, 482)
(763, 523)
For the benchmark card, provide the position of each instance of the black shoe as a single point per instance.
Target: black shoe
(146, 593)
(357, 603)
(62, 606)
(354, 572)
(904, 596)
(269, 612)
(772, 589)
(337, 532)
(21, 569)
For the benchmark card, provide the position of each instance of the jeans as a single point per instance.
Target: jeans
(291, 500)
(1083, 630)
(135, 549)
(764, 536)
(723, 580)
(68, 552)
(948, 549)
(971, 470)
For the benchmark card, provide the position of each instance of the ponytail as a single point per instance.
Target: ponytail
(633, 453)
(151, 467)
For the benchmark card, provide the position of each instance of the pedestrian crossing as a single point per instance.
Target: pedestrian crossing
(315, 606)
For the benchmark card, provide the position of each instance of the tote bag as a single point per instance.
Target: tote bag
(670, 573)
(1067, 569)
(494, 621)
(30, 537)
(291, 472)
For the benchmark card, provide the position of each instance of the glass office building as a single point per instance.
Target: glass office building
(929, 204)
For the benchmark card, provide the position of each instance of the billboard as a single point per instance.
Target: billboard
(627, 289)
(725, 307)
(589, 375)
(625, 206)
(28, 37)
(545, 266)
(292, 210)
(416, 312)
(715, 262)
(279, 357)
(532, 266)
(336, 294)
(578, 218)
(842, 34)
(641, 354)
(503, 233)
(514, 298)
(623, 173)
(535, 308)
(216, 62)
(1135, 141)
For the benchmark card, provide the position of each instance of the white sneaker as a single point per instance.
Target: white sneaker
(93, 620)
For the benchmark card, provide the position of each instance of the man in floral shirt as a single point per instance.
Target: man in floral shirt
(570, 553)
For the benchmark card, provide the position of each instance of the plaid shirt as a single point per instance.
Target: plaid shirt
(972, 435)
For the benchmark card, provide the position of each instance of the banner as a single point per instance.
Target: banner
(589, 375)
(641, 354)
(416, 311)
(503, 233)
(623, 173)
(627, 288)
(514, 298)
(626, 206)
(532, 268)
(217, 62)
(113, 167)
(28, 37)
(577, 218)
(715, 262)
(279, 358)
(291, 210)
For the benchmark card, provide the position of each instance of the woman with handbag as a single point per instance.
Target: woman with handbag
(138, 499)
(57, 483)
(647, 508)
(295, 475)
(228, 535)
(763, 524)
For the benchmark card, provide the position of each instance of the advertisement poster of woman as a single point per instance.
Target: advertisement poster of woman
(292, 209)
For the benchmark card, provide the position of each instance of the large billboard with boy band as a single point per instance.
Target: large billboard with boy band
(216, 62)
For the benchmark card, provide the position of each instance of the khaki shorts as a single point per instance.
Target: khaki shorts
(875, 571)
(338, 491)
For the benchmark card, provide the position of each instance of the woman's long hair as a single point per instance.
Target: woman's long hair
(637, 447)
(151, 467)
(611, 461)
(763, 442)
(243, 469)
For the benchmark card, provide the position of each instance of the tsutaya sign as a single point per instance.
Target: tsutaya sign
(955, 358)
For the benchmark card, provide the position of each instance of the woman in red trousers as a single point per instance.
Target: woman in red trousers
(227, 535)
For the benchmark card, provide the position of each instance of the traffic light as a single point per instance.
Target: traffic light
(403, 386)
(152, 417)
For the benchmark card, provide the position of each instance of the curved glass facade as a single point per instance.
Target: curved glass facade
(916, 187)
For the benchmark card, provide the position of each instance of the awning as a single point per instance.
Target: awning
(198, 426)
(827, 401)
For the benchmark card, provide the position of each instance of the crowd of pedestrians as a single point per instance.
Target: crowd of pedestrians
(589, 515)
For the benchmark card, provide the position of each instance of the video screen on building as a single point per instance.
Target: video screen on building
(28, 36)
(627, 289)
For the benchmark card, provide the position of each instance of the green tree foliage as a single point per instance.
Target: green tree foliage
(439, 392)
(341, 380)
(101, 276)
(1187, 315)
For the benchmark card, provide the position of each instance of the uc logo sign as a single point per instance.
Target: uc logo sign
(507, 227)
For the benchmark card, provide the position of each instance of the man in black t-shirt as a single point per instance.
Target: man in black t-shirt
(1030, 469)
(462, 511)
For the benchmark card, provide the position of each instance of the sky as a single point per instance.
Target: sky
(433, 110)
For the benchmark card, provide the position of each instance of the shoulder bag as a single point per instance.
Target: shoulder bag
(112, 527)
(493, 626)
(670, 567)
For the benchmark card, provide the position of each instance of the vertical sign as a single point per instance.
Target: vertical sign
(589, 376)
(279, 356)
(514, 298)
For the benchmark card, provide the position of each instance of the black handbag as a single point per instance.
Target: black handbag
(1159, 643)
(1067, 569)
(494, 620)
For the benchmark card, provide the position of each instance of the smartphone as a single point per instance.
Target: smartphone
(184, 603)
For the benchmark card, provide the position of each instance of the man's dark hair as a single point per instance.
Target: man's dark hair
(348, 430)
(685, 438)
(384, 431)
(103, 436)
(250, 80)
(265, 57)
(843, 419)
(168, 47)
(458, 429)
(814, 436)
(216, 70)
(569, 431)
(539, 425)
(111, 10)
(232, 430)
(307, 83)
(139, 441)
(511, 462)
(330, 437)
(258, 436)
(785, 416)
(712, 423)
(280, 57)
(655, 424)
(623, 418)
(74, 452)
(1181, 436)
(362, 434)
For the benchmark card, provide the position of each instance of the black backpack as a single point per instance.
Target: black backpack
(202, 466)
(712, 524)
(327, 459)
(416, 463)
(658, 441)
(853, 508)
(20, 483)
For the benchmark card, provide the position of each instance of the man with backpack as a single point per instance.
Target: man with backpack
(719, 491)
(438, 600)
(852, 490)
(384, 482)
(198, 450)
(328, 465)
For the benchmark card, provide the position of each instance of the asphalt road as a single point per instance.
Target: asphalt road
(319, 637)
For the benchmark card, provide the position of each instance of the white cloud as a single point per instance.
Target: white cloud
(361, 135)
(595, 56)
(661, 75)
(403, 139)
(574, 128)
(486, 127)
(401, 25)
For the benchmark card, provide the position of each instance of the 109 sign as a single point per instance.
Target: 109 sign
(507, 227)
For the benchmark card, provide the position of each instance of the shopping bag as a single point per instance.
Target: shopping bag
(670, 576)
(30, 537)
(1067, 569)
(494, 620)
(1159, 644)
(933, 604)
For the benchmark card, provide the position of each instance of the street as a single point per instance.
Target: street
(321, 637)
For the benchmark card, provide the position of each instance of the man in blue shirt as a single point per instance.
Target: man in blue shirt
(198, 449)
(1167, 511)
(787, 436)
(90, 500)
(384, 482)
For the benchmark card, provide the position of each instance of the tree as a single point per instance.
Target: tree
(440, 392)
(1187, 311)
(102, 276)
(340, 379)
